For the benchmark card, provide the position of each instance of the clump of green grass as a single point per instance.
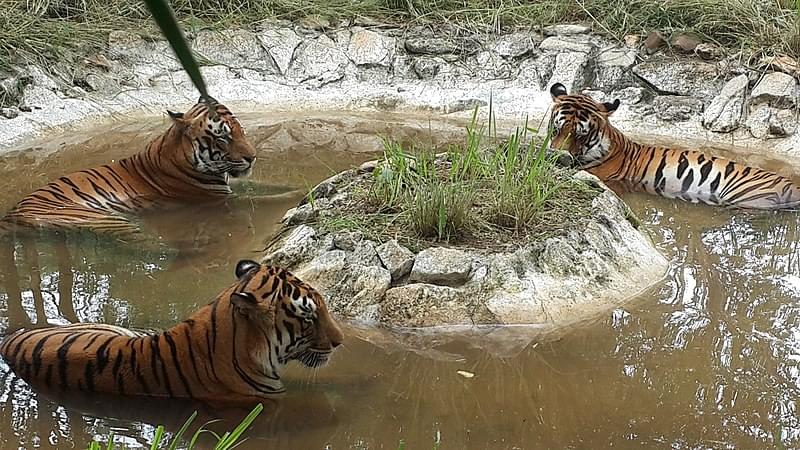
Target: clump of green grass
(488, 192)
(227, 441)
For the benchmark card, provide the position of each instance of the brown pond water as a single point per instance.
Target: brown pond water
(709, 358)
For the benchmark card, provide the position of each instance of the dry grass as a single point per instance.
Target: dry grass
(47, 29)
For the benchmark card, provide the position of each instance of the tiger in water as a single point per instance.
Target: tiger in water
(232, 349)
(581, 127)
(192, 161)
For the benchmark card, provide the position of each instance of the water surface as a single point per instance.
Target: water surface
(709, 358)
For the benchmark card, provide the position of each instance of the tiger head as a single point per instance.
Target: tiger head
(579, 125)
(292, 314)
(219, 144)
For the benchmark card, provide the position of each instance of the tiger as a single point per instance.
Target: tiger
(192, 161)
(232, 349)
(580, 125)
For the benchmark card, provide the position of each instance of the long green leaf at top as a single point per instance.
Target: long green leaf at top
(165, 19)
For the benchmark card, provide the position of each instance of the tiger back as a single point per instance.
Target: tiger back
(192, 161)
(581, 126)
(231, 349)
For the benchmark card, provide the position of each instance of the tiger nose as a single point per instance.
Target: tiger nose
(249, 159)
(335, 343)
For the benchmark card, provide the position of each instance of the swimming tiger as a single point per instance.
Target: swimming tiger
(191, 161)
(581, 126)
(231, 349)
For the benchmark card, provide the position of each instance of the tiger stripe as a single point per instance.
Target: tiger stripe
(232, 348)
(581, 126)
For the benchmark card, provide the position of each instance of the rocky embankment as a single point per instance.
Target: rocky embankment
(704, 96)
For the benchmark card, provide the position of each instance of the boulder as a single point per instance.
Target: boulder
(280, 43)
(725, 111)
(395, 258)
(318, 62)
(775, 89)
(515, 45)
(577, 43)
(688, 77)
(566, 29)
(371, 49)
(442, 266)
(234, 48)
(570, 70)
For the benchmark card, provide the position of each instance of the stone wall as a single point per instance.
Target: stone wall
(418, 69)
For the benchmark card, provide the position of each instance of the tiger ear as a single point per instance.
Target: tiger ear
(611, 107)
(244, 300)
(175, 115)
(558, 90)
(245, 266)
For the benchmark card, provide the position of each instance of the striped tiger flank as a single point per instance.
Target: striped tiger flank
(191, 161)
(581, 126)
(231, 349)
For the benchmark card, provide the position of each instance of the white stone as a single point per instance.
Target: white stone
(396, 258)
(579, 43)
(318, 62)
(440, 265)
(371, 48)
(616, 57)
(234, 48)
(566, 29)
(514, 45)
(725, 111)
(280, 43)
(298, 246)
(570, 70)
(776, 89)
(680, 77)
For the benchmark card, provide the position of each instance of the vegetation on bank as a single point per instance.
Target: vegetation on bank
(490, 192)
(36, 30)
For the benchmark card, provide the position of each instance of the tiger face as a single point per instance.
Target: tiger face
(219, 144)
(578, 123)
(289, 311)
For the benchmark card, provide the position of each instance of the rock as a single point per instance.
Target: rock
(616, 57)
(9, 113)
(609, 78)
(364, 254)
(395, 258)
(653, 42)
(430, 45)
(783, 63)
(632, 40)
(425, 305)
(725, 111)
(765, 122)
(491, 66)
(301, 214)
(673, 108)
(776, 89)
(576, 43)
(371, 48)
(234, 48)
(318, 62)
(440, 265)
(368, 167)
(299, 245)
(314, 22)
(587, 178)
(628, 95)
(566, 29)
(464, 104)
(709, 51)
(686, 43)
(426, 68)
(515, 45)
(280, 43)
(535, 72)
(570, 70)
(682, 77)
(347, 240)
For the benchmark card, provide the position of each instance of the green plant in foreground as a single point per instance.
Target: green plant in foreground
(225, 442)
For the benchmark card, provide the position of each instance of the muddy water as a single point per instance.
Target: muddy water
(710, 358)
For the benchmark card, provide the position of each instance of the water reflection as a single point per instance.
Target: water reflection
(708, 359)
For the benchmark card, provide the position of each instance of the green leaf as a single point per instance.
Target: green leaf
(165, 19)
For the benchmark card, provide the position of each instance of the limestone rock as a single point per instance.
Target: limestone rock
(234, 48)
(515, 45)
(318, 61)
(435, 45)
(776, 89)
(301, 214)
(396, 258)
(616, 57)
(347, 240)
(577, 43)
(426, 68)
(364, 254)
(440, 265)
(674, 108)
(566, 29)
(725, 111)
(766, 122)
(570, 70)
(280, 43)
(371, 48)
(298, 246)
(683, 77)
